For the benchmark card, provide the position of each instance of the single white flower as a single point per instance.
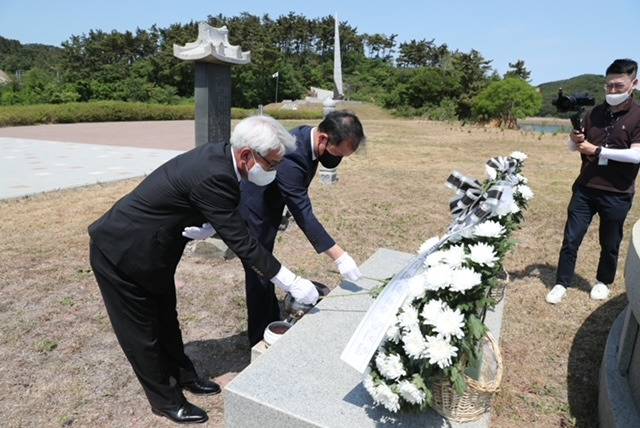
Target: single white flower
(408, 317)
(435, 258)
(431, 310)
(454, 256)
(438, 277)
(390, 366)
(428, 244)
(489, 229)
(464, 279)
(524, 191)
(440, 351)
(491, 172)
(519, 156)
(449, 323)
(393, 333)
(367, 382)
(389, 399)
(416, 286)
(414, 344)
(483, 254)
(514, 208)
(411, 393)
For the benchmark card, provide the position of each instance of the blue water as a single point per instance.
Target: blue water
(546, 129)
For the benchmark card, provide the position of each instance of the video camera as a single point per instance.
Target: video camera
(575, 102)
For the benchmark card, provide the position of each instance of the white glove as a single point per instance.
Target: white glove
(348, 268)
(304, 291)
(195, 232)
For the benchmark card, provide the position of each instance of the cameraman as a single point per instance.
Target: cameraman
(609, 147)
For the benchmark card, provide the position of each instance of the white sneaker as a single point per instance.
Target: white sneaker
(556, 294)
(599, 291)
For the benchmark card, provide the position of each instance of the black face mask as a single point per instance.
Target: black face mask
(328, 160)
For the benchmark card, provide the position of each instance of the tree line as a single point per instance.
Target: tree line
(419, 77)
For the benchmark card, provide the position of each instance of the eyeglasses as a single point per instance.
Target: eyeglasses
(619, 86)
(271, 165)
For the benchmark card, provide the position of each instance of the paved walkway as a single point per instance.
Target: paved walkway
(43, 158)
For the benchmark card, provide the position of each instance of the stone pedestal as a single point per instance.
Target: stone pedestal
(619, 394)
(300, 381)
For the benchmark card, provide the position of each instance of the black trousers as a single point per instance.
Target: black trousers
(148, 331)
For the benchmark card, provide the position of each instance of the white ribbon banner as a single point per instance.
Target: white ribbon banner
(372, 328)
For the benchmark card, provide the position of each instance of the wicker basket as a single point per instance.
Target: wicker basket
(498, 291)
(476, 400)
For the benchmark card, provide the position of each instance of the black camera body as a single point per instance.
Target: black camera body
(575, 102)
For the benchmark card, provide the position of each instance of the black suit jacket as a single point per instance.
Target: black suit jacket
(262, 206)
(142, 233)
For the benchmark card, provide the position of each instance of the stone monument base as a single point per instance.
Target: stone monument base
(300, 381)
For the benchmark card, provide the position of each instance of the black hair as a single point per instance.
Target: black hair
(623, 66)
(343, 125)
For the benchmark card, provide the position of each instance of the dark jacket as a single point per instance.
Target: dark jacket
(142, 233)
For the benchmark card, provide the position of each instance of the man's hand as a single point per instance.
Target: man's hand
(195, 232)
(304, 291)
(348, 268)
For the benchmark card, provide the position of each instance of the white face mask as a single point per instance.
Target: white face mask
(258, 176)
(616, 99)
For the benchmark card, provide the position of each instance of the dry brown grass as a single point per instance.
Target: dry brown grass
(60, 363)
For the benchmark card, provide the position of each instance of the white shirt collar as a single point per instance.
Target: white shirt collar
(235, 166)
(313, 140)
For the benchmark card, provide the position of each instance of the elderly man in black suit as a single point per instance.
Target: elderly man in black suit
(338, 135)
(135, 248)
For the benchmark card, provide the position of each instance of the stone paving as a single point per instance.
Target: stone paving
(36, 159)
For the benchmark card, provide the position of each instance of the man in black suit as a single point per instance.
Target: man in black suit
(339, 134)
(135, 248)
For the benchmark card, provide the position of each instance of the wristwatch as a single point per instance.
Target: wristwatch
(598, 151)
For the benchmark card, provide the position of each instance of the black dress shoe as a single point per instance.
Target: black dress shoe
(202, 387)
(186, 413)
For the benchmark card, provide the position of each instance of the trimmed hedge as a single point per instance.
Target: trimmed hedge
(119, 111)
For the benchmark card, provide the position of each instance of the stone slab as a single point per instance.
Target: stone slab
(300, 381)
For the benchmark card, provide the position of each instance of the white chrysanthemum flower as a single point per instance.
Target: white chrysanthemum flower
(440, 351)
(367, 382)
(524, 191)
(411, 393)
(438, 277)
(393, 333)
(408, 317)
(454, 256)
(428, 244)
(435, 258)
(519, 156)
(449, 323)
(491, 172)
(389, 399)
(431, 310)
(416, 286)
(489, 229)
(465, 279)
(390, 366)
(414, 344)
(483, 254)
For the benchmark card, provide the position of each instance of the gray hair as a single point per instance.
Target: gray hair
(262, 134)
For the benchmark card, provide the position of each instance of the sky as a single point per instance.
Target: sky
(556, 39)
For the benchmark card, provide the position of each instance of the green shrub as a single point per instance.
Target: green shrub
(117, 111)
